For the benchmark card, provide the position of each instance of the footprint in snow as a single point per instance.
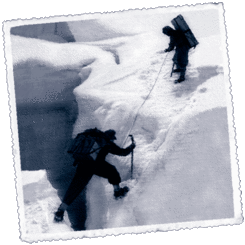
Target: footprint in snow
(142, 77)
(155, 62)
(202, 90)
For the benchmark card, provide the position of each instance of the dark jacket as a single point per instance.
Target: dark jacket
(115, 150)
(181, 45)
(109, 147)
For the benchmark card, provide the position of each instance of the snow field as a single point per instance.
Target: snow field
(192, 180)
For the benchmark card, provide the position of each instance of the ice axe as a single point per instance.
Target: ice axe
(132, 157)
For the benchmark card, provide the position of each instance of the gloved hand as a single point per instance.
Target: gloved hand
(133, 145)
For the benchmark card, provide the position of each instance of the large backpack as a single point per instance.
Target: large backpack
(180, 24)
(88, 143)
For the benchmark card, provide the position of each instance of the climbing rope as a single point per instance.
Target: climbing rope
(145, 100)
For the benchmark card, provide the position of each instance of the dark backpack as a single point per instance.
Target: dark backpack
(180, 24)
(88, 143)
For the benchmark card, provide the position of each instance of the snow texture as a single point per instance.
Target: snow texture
(182, 162)
(40, 202)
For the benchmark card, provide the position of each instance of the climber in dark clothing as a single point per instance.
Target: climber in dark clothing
(181, 45)
(87, 167)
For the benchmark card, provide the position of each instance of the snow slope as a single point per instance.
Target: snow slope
(179, 176)
(187, 175)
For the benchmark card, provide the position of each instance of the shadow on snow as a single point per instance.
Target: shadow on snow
(192, 82)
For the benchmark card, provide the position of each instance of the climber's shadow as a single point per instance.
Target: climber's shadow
(195, 78)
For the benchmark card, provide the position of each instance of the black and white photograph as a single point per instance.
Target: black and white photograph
(122, 122)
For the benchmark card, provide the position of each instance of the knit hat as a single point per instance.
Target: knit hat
(167, 30)
(110, 134)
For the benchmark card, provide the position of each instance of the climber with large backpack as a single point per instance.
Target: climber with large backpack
(182, 40)
(89, 150)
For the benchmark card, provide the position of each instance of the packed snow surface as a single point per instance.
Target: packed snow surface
(181, 160)
(40, 203)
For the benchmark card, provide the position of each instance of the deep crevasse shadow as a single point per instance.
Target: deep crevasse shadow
(47, 108)
(58, 32)
(46, 111)
(192, 81)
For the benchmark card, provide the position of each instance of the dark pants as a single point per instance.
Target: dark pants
(182, 68)
(85, 171)
(180, 59)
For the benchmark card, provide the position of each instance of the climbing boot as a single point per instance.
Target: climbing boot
(177, 70)
(59, 215)
(121, 192)
(181, 79)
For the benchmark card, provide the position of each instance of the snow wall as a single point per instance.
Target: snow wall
(45, 75)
